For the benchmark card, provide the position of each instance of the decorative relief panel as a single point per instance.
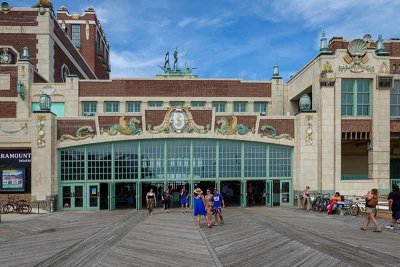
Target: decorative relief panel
(356, 57)
(14, 128)
(270, 132)
(178, 120)
(309, 130)
(41, 133)
(124, 127)
(81, 134)
(230, 126)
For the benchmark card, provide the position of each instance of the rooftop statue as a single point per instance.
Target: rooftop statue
(176, 58)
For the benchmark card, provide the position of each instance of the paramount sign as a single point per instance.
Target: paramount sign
(15, 157)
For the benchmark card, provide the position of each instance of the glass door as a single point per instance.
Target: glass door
(72, 197)
(94, 195)
(243, 194)
(268, 193)
(285, 196)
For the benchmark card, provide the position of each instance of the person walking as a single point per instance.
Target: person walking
(151, 200)
(371, 200)
(394, 206)
(199, 206)
(166, 197)
(306, 197)
(184, 199)
(250, 194)
(209, 207)
(218, 203)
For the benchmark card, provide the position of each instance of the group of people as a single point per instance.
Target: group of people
(371, 201)
(151, 199)
(203, 205)
(207, 206)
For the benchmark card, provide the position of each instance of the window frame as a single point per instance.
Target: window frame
(113, 105)
(154, 104)
(240, 106)
(260, 103)
(91, 104)
(396, 86)
(217, 105)
(76, 36)
(356, 94)
(136, 106)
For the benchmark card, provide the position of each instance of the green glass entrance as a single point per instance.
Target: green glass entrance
(72, 197)
(98, 169)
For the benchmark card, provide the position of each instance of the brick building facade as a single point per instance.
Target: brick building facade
(105, 142)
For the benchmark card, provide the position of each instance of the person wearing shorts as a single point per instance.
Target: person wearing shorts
(184, 199)
(394, 206)
(218, 203)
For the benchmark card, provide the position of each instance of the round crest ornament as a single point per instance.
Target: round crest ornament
(178, 120)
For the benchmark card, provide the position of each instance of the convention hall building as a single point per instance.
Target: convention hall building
(70, 133)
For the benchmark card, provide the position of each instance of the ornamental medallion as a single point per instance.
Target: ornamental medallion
(178, 120)
(6, 57)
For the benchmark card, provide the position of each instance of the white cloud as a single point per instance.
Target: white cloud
(127, 64)
(219, 20)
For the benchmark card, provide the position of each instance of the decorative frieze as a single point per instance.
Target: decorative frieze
(178, 120)
(270, 132)
(229, 126)
(124, 128)
(81, 134)
(309, 130)
(41, 133)
(356, 58)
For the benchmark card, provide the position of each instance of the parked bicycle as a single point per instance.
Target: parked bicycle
(358, 207)
(320, 203)
(19, 206)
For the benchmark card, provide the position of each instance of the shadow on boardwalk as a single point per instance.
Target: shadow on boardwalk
(250, 237)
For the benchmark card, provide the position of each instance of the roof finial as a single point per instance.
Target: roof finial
(324, 44)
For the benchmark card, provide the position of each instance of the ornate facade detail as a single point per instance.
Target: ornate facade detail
(87, 30)
(40, 129)
(356, 57)
(327, 68)
(230, 127)
(309, 130)
(81, 134)
(6, 57)
(124, 128)
(5, 8)
(178, 120)
(384, 68)
(23, 126)
(272, 133)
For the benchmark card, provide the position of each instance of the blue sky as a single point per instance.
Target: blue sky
(230, 38)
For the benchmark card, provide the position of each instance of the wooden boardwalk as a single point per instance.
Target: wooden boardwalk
(250, 237)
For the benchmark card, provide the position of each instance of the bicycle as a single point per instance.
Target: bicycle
(19, 206)
(359, 206)
(320, 203)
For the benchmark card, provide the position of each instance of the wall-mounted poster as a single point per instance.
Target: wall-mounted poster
(13, 179)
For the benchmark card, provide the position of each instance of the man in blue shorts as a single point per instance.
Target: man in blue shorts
(218, 204)
(394, 206)
(184, 199)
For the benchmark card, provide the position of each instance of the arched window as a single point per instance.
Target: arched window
(64, 73)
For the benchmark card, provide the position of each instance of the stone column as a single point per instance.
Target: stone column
(72, 104)
(44, 157)
(379, 155)
(328, 145)
(277, 95)
(306, 153)
(25, 76)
